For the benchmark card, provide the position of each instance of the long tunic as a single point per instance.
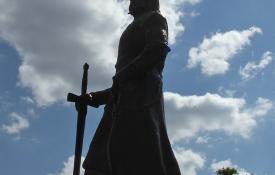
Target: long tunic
(131, 138)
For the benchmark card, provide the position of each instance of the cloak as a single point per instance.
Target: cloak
(131, 138)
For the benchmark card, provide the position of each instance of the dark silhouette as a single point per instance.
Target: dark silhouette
(131, 138)
(227, 171)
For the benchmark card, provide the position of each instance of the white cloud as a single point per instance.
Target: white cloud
(189, 161)
(194, 14)
(251, 69)
(226, 92)
(27, 100)
(69, 166)
(55, 38)
(244, 172)
(18, 124)
(262, 107)
(187, 115)
(225, 164)
(30, 111)
(171, 10)
(215, 166)
(214, 53)
(5, 103)
(202, 140)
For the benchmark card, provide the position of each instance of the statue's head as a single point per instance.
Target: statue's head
(140, 6)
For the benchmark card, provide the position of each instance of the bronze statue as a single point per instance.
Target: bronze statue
(131, 138)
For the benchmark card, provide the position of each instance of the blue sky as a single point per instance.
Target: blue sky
(218, 81)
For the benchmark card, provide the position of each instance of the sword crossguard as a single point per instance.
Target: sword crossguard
(73, 98)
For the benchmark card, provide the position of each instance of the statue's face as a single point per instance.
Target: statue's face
(136, 6)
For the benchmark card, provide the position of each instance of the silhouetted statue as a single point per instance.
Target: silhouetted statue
(131, 138)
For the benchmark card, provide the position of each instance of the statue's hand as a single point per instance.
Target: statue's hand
(95, 99)
(87, 99)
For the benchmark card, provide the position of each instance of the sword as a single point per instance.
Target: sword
(81, 117)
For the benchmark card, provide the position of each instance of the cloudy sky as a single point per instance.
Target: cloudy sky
(218, 81)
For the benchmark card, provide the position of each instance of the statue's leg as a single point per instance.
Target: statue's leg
(97, 158)
(135, 147)
(92, 172)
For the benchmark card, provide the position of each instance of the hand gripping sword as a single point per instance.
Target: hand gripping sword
(81, 117)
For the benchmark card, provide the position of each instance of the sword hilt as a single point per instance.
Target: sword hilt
(73, 98)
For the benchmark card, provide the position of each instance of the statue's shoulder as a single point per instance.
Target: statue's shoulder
(152, 19)
(154, 15)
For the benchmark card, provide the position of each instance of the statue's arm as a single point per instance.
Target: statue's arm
(156, 49)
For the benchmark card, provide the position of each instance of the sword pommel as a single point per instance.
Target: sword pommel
(85, 66)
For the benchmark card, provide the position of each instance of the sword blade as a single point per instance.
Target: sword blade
(79, 140)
